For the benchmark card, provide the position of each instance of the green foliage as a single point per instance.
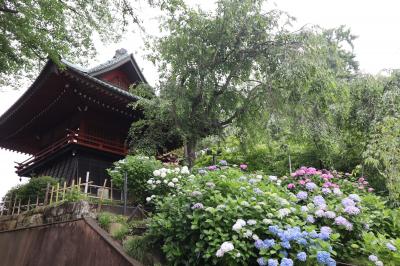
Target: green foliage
(121, 233)
(35, 187)
(193, 220)
(376, 244)
(138, 169)
(383, 150)
(106, 218)
(33, 31)
(237, 65)
(74, 195)
(141, 248)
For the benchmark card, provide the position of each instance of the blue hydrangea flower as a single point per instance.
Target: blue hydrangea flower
(391, 247)
(323, 257)
(313, 234)
(286, 262)
(286, 244)
(373, 258)
(355, 197)
(273, 262)
(283, 253)
(261, 261)
(274, 229)
(331, 262)
(258, 191)
(352, 210)
(259, 244)
(302, 241)
(268, 243)
(325, 233)
(301, 256)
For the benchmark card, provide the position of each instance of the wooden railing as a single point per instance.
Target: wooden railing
(79, 139)
(58, 194)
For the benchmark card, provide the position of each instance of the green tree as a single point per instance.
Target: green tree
(222, 67)
(34, 30)
(383, 150)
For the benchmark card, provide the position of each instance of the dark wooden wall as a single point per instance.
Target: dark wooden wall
(73, 243)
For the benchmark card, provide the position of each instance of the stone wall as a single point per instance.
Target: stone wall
(67, 211)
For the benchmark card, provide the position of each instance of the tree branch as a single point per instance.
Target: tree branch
(8, 10)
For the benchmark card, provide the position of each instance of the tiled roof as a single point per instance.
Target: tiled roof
(85, 73)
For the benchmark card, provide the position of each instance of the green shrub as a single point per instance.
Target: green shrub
(35, 187)
(121, 233)
(139, 169)
(225, 217)
(142, 248)
(105, 219)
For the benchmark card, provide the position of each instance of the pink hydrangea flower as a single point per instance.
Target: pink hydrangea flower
(302, 182)
(300, 172)
(243, 166)
(361, 179)
(370, 189)
(291, 186)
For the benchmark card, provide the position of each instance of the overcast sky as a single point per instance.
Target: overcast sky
(374, 22)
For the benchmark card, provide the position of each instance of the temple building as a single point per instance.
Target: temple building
(73, 120)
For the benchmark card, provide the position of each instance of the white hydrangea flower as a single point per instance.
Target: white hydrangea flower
(165, 181)
(149, 181)
(239, 224)
(259, 177)
(251, 222)
(267, 221)
(227, 246)
(185, 170)
(279, 182)
(272, 178)
(148, 199)
(283, 212)
(158, 182)
(248, 233)
(156, 173)
(255, 237)
(170, 184)
(175, 180)
(163, 174)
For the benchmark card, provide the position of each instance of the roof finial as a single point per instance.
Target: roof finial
(120, 52)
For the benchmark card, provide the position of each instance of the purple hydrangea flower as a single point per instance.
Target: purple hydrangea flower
(355, 197)
(258, 191)
(311, 186)
(223, 162)
(274, 229)
(302, 195)
(326, 190)
(310, 219)
(212, 167)
(340, 220)
(320, 213)
(198, 206)
(330, 215)
(348, 202)
(352, 210)
(304, 208)
(319, 200)
(259, 244)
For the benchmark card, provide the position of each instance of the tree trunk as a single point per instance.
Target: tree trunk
(190, 152)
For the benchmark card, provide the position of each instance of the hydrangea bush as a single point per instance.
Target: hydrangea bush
(228, 216)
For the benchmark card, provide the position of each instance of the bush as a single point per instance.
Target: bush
(232, 217)
(139, 169)
(35, 187)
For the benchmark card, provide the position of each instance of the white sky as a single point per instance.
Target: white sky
(374, 22)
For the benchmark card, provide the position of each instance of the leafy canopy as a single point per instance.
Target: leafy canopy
(32, 31)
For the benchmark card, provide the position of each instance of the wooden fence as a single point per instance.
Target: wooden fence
(57, 194)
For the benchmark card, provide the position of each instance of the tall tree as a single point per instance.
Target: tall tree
(237, 63)
(34, 30)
